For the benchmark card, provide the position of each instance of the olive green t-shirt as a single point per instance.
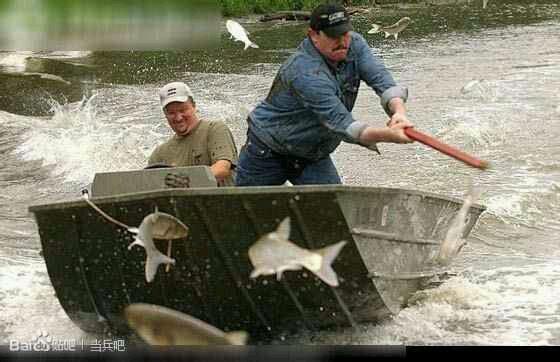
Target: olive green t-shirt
(206, 144)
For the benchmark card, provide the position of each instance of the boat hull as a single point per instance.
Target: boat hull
(392, 236)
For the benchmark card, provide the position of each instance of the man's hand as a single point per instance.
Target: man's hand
(397, 118)
(397, 124)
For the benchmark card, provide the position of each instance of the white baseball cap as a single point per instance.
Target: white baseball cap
(174, 92)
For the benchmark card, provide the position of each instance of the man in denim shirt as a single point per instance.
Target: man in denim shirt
(307, 111)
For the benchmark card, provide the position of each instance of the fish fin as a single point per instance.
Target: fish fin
(387, 35)
(283, 229)
(253, 45)
(255, 273)
(137, 241)
(261, 271)
(133, 230)
(155, 214)
(246, 46)
(396, 35)
(153, 262)
(374, 29)
(329, 253)
(279, 275)
(237, 338)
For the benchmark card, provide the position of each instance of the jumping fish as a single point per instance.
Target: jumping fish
(394, 29)
(239, 34)
(454, 241)
(162, 326)
(273, 253)
(473, 84)
(157, 225)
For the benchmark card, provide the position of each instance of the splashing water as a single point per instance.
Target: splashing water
(14, 62)
(79, 143)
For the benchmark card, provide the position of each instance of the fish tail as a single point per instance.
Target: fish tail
(237, 338)
(250, 44)
(374, 29)
(326, 272)
(137, 241)
(152, 263)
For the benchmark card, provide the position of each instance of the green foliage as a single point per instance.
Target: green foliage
(240, 7)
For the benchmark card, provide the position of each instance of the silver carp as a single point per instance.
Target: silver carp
(239, 34)
(162, 326)
(389, 30)
(273, 253)
(454, 241)
(161, 226)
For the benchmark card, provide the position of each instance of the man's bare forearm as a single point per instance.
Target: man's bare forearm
(221, 169)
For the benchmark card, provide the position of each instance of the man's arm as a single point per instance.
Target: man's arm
(155, 156)
(394, 134)
(221, 170)
(222, 150)
(375, 74)
(393, 98)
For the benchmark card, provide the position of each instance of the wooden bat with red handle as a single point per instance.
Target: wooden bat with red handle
(444, 148)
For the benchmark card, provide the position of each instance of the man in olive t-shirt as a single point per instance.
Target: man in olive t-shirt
(196, 142)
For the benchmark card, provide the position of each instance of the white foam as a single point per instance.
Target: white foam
(504, 205)
(15, 61)
(505, 306)
(28, 305)
(474, 128)
(66, 54)
(79, 143)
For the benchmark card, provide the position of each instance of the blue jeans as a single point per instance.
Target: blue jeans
(260, 166)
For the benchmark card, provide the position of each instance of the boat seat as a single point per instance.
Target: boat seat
(124, 182)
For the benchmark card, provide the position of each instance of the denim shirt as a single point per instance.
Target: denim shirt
(307, 111)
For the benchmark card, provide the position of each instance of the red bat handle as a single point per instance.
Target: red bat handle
(444, 148)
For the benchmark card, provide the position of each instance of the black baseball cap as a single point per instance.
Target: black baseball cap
(332, 19)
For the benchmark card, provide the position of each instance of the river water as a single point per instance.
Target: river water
(485, 80)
